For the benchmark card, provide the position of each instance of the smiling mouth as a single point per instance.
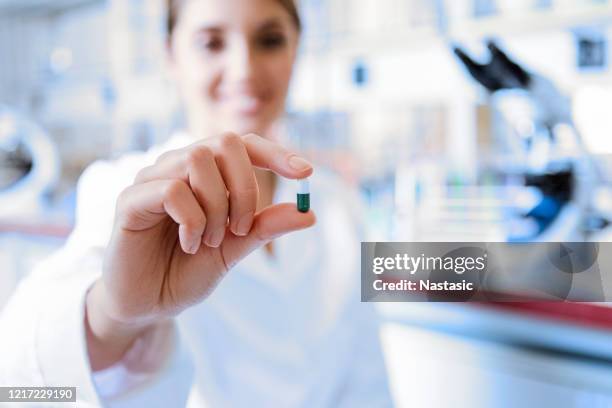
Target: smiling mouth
(246, 105)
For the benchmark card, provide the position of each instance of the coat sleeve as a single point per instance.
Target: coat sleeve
(43, 341)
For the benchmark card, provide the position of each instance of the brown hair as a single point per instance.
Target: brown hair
(174, 7)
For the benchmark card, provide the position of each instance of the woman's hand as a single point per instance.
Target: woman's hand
(184, 223)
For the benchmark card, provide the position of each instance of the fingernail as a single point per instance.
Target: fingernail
(297, 163)
(244, 224)
(195, 247)
(216, 238)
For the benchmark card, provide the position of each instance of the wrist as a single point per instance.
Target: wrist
(108, 338)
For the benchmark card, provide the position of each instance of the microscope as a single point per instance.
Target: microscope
(566, 183)
(29, 166)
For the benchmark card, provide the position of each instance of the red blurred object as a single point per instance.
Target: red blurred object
(582, 314)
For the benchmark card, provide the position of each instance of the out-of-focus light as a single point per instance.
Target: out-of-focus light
(593, 116)
(7, 126)
(565, 136)
(525, 198)
(61, 60)
(525, 127)
(603, 200)
(518, 110)
(8, 131)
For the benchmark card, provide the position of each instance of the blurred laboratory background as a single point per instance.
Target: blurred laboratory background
(458, 120)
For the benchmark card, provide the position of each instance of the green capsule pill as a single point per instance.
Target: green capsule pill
(303, 196)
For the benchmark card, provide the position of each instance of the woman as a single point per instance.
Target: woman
(129, 311)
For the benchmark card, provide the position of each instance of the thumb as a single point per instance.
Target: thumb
(272, 222)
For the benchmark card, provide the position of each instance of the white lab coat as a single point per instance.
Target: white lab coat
(287, 331)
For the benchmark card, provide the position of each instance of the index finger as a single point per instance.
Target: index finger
(272, 156)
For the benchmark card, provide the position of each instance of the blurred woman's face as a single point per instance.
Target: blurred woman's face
(232, 61)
